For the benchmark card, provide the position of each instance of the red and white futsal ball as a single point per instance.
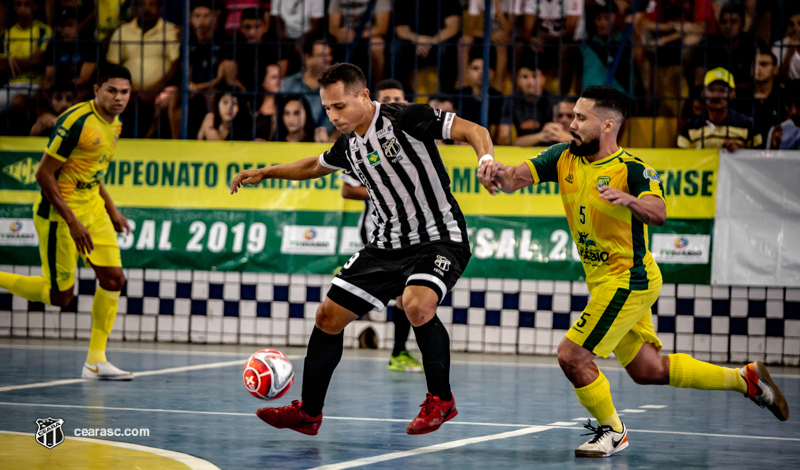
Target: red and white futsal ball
(268, 374)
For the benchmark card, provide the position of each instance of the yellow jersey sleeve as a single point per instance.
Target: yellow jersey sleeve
(544, 167)
(643, 179)
(67, 131)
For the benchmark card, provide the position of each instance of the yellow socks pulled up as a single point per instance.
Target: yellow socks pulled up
(104, 310)
(596, 398)
(687, 372)
(33, 288)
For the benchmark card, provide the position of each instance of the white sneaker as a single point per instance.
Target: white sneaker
(763, 391)
(605, 442)
(104, 371)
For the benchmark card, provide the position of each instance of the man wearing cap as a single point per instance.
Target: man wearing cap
(719, 126)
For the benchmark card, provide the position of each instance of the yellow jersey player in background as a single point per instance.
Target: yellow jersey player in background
(75, 216)
(610, 197)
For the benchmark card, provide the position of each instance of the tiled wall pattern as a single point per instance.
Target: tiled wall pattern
(721, 324)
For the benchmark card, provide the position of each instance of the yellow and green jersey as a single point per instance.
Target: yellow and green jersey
(18, 43)
(612, 243)
(85, 142)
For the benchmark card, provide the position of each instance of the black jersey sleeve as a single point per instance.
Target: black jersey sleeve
(336, 156)
(423, 122)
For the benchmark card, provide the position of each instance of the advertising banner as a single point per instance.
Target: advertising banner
(176, 194)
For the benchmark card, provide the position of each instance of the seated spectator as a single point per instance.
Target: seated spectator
(786, 135)
(504, 16)
(149, 47)
(295, 124)
(235, 8)
(253, 50)
(69, 58)
(228, 121)
(468, 99)
(427, 34)
(528, 110)
(21, 58)
(316, 58)
(266, 121)
(390, 91)
(298, 21)
(719, 126)
(552, 28)
(731, 48)
(601, 51)
(369, 50)
(59, 98)
(761, 100)
(558, 130)
(787, 50)
(109, 14)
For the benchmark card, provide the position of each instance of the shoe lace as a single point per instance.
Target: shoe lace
(430, 404)
(598, 431)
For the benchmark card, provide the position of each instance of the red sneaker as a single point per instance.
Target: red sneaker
(433, 414)
(292, 417)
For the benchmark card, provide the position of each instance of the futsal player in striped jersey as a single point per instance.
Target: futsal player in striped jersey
(75, 216)
(610, 197)
(419, 250)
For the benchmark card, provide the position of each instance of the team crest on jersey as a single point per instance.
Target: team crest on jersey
(374, 159)
(652, 175)
(442, 263)
(603, 181)
(569, 179)
(392, 150)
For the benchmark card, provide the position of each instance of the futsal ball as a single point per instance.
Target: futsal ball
(268, 374)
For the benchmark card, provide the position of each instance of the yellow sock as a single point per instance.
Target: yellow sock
(687, 372)
(33, 288)
(104, 309)
(596, 398)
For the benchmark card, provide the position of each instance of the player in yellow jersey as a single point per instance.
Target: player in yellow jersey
(610, 197)
(75, 216)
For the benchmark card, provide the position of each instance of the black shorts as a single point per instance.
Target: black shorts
(373, 276)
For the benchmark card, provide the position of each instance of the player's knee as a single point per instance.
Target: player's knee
(61, 298)
(327, 320)
(113, 282)
(567, 359)
(656, 373)
(419, 311)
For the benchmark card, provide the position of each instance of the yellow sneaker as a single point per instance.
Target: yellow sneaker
(405, 362)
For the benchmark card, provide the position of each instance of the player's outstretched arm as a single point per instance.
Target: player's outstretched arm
(494, 176)
(46, 177)
(305, 169)
(475, 135)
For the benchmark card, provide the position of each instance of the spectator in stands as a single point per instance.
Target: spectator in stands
(59, 98)
(316, 58)
(602, 49)
(731, 48)
(552, 28)
(559, 130)
(719, 126)
(149, 47)
(504, 16)
(528, 110)
(266, 121)
(298, 20)
(468, 99)
(427, 33)
(253, 50)
(69, 58)
(369, 50)
(295, 124)
(390, 91)
(786, 135)
(228, 121)
(787, 50)
(109, 15)
(235, 8)
(21, 58)
(761, 100)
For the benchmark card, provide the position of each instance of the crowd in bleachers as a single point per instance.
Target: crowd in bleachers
(703, 73)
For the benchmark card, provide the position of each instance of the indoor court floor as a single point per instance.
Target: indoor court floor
(514, 412)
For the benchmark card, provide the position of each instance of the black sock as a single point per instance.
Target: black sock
(322, 357)
(401, 328)
(434, 343)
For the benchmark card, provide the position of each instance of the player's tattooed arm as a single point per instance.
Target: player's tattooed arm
(648, 209)
(304, 169)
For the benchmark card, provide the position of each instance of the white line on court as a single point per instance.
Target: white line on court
(433, 448)
(171, 370)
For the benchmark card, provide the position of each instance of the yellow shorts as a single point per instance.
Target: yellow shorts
(617, 320)
(60, 255)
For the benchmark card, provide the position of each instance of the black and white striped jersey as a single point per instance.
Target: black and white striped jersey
(398, 162)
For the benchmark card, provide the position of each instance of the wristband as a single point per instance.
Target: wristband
(484, 158)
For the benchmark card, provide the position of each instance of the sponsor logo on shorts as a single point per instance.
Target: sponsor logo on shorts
(49, 433)
(442, 263)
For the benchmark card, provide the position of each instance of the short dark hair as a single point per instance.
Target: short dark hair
(763, 48)
(389, 84)
(732, 8)
(609, 98)
(112, 71)
(201, 3)
(251, 14)
(65, 14)
(441, 97)
(348, 74)
(477, 53)
(568, 99)
(308, 46)
(62, 85)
